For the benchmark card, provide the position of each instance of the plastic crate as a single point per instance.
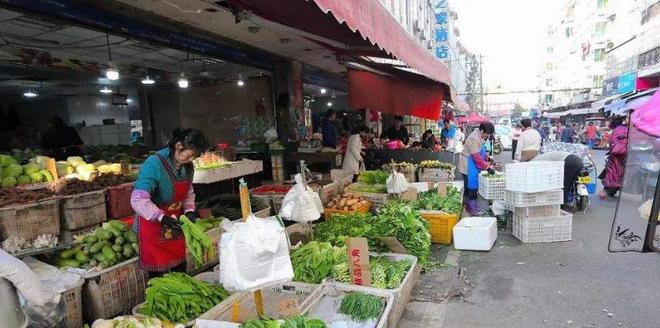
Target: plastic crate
(119, 201)
(209, 260)
(441, 225)
(491, 189)
(544, 229)
(31, 219)
(435, 175)
(83, 210)
(534, 176)
(475, 233)
(526, 199)
(114, 290)
(536, 211)
(73, 311)
(323, 304)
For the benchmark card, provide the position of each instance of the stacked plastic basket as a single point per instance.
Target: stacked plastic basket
(533, 192)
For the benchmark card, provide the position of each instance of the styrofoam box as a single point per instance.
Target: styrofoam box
(475, 233)
(534, 176)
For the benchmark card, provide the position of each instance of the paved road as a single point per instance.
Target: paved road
(567, 284)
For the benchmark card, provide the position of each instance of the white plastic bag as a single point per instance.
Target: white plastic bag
(396, 183)
(498, 207)
(301, 204)
(254, 253)
(270, 135)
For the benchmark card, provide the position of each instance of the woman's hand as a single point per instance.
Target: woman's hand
(192, 215)
(171, 222)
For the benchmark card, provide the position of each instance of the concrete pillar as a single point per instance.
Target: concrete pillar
(288, 95)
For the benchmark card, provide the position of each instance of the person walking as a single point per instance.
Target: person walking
(515, 135)
(353, 161)
(529, 142)
(612, 175)
(590, 134)
(473, 160)
(567, 133)
(329, 129)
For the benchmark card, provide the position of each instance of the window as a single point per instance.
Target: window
(549, 66)
(601, 4)
(600, 28)
(548, 82)
(599, 55)
(598, 81)
(569, 32)
(549, 50)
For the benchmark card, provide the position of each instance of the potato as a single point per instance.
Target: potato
(351, 202)
(331, 204)
(342, 202)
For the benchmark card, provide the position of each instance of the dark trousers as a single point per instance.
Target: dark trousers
(572, 165)
(469, 193)
(514, 144)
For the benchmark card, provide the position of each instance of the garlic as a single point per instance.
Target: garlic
(15, 244)
(45, 240)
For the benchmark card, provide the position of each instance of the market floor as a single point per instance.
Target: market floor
(566, 284)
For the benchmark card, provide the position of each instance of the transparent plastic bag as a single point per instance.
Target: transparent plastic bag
(396, 183)
(301, 204)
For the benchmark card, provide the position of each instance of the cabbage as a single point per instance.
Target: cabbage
(13, 170)
(75, 161)
(23, 180)
(30, 168)
(7, 160)
(40, 161)
(9, 182)
(63, 168)
(36, 177)
(46, 176)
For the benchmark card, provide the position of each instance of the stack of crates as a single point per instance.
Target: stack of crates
(533, 192)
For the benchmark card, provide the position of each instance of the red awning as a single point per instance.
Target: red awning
(364, 27)
(473, 118)
(393, 95)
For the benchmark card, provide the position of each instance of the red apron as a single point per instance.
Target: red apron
(156, 252)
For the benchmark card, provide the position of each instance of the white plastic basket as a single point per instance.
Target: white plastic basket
(491, 189)
(536, 211)
(534, 176)
(544, 229)
(525, 199)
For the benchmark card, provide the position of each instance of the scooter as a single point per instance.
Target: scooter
(579, 195)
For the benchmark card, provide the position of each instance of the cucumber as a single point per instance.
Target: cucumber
(90, 239)
(128, 251)
(69, 252)
(130, 236)
(116, 248)
(99, 257)
(82, 257)
(108, 253)
(69, 263)
(120, 240)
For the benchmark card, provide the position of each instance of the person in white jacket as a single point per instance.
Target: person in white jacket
(353, 161)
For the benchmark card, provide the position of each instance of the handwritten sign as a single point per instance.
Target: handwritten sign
(358, 261)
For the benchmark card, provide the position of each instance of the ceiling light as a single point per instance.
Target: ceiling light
(240, 81)
(106, 91)
(329, 103)
(30, 94)
(183, 82)
(323, 90)
(112, 73)
(147, 81)
(129, 100)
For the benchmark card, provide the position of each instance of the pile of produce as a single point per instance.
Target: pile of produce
(394, 219)
(75, 167)
(295, 322)
(361, 307)
(15, 244)
(399, 167)
(135, 154)
(347, 203)
(209, 223)
(370, 188)
(13, 174)
(197, 242)
(494, 176)
(433, 164)
(22, 156)
(432, 201)
(177, 297)
(13, 195)
(130, 321)
(112, 243)
(385, 273)
(75, 186)
(271, 189)
(209, 161)
(229, 206)
(373, 177)
(315, 261)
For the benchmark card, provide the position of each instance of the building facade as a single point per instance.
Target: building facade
(415, 16)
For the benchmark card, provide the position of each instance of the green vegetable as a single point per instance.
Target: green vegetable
(179, 298)
(108, 253)
(82, 257)
(432, 200)
(130, 236)
(89, 239)
(399, 167)
(295, 322)
(103, 234)
(70, 252)
(9, 181)
(13, 170)
(373, 177)
(385, 273)
(99, 257)
(46, 176)
(93, 262)
(361, 307)
(23, 180)
(72, 263)
(314, 261)
(197, 241)
(119, 241)
(433, 164)
(370, 188)
(97, 247)
(128, 251)
(117, 248)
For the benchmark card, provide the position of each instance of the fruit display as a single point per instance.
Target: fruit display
(433, 164)
(13, 195)
(399, 167)
(347, 203)
(210, 160)
(112, 243)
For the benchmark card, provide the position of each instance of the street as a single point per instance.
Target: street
(566, 284)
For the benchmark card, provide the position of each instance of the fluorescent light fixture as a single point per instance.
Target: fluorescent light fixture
(329, 104)
(183, 82)
(323, 90)
(105, 91)
(148, 81)
(129, 100)
(112, 73)
(30, 94)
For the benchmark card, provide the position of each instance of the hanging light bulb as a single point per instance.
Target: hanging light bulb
(105, 91)
(30, 94)
(323, 90)
(240, 81)
(148, 81)
(329, 103)
(183, 82)
(112, 73)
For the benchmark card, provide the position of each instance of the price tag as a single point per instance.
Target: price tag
(288, 308)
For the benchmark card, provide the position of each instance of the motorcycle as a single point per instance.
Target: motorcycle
(579, 194)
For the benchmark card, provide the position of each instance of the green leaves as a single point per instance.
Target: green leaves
(431, 200)
(197, 241)
(361, 307)
(315, 261)
(373, 177)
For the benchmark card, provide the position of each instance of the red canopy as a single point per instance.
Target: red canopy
(473, 118)
(364, 28)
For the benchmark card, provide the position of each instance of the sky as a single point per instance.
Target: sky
(509, 35)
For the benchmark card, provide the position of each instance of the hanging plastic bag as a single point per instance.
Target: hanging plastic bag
(498, 207)
(396, 183)
(301, 203)
(270, 135)
(254, 253)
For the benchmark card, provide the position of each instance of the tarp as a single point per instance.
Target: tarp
(647, 117)
(364, 27)
(393, 95)
(473, 118)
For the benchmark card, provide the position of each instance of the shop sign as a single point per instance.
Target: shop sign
(649, 58)
(626, 82)
(610, 86)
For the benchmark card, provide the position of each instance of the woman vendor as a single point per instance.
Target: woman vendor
(163, 192)
(473, 160)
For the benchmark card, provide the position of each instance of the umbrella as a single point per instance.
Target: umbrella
(647, 117)
(473, 118)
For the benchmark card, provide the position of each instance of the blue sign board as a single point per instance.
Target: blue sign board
(441, 34)
(441, 18)
(627, 82)
(442, 51)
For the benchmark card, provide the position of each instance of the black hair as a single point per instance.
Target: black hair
(525, 122)
(487, 127)
(56, 122)
(329, 112)
(447, 121)
(416, 144)
(398, 118)
(616, 122)
(192, 139)
(360, 128)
